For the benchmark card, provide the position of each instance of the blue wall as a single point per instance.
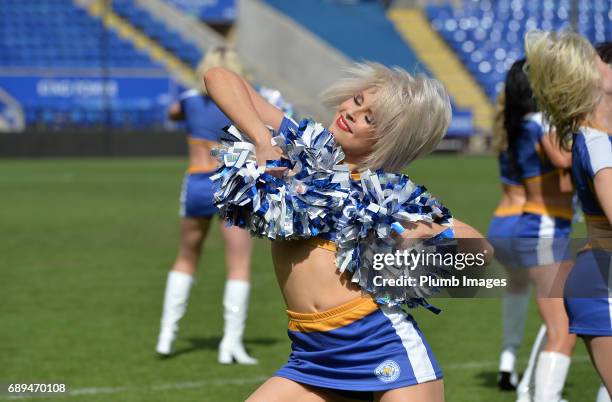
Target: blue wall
(67, 100)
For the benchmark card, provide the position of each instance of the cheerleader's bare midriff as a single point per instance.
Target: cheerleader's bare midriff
(308, 278)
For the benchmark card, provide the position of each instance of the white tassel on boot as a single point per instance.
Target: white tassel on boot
(525, 388)
(178, 287)
(603, 395)
(235, 306)
(514, 314)
(550, 376)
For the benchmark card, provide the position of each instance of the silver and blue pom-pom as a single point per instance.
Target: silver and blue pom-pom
(318, 196)
(379, 202)
(301, 204)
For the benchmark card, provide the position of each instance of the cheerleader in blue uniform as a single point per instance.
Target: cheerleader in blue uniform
(501, 229)
(345, 346)
(574, 87)
(540, 238)
(205, 123)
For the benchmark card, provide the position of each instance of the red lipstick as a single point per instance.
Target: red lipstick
(343, 125)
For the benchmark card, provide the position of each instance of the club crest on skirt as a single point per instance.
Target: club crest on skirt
(387, 371)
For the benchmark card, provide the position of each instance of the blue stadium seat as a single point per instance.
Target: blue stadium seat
(487, 35)
(382, 43)
(158, 31)
(213, 12)
(56, 34)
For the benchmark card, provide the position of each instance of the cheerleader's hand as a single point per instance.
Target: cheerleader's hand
(416, 232)
(266, 153)
(420, 230)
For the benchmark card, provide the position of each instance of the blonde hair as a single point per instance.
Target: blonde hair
(500, 136)
(221, 57)
(562, 70)
(411, 113)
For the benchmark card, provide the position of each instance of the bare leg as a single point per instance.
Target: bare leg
(432, 391)
(549, 280)
(278, 389)
(518, 282)
(557, 326)
(552, 309)
(193, 233)
(238, 247)
(600, 349)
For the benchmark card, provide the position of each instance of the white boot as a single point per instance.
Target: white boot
(525, 388)
(514, 314)
(603, 395)
(235, 306)
(507, 379)
(550, 376)
(178, 286)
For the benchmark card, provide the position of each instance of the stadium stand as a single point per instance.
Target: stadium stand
(76, 63)
(362, 31)
(488, 35)
(156, 30)
(213, 12)
(65, 68)
(55, 33)
(443, 63)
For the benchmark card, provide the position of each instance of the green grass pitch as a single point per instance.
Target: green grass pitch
(86, 245)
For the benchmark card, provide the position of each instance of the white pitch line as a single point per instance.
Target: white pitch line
(237, 381)
(481, 365)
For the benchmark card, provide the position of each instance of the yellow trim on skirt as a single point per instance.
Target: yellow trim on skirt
(201, 169)
(548, 210)
(509, 211)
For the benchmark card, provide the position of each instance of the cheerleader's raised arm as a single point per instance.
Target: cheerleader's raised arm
(249, 111)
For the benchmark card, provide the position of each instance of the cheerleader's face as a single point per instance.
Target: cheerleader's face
(354, 126)
(605, 70)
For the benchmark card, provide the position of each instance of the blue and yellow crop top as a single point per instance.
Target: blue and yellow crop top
(591, 152)
(508, 172)
(204, 119)
(531, 161)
